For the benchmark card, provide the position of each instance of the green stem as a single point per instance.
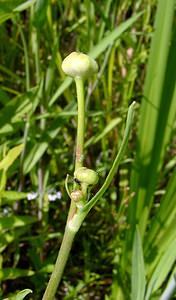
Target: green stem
(60, 264)
(25, 136)
(26, 57)
(75, 217)
(80, 134)
(81, 123)
(27, 124)
(116, 162)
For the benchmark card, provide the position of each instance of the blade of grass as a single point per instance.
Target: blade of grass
(169, 291)
(113, 123)
(155, 116)
(165, 214)
(162, 269)
(138, 269)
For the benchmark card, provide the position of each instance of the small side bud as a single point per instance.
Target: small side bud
(87, 176)
(79, 65)
(77, 196)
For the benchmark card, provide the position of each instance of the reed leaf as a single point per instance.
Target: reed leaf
(156, 115)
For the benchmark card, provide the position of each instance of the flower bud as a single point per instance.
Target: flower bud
(87, 176)
(77, 195)
(80, 65)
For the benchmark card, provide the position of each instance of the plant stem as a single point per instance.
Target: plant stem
(80, 134)
(25, 136)
(81, 123)
(116, 162)
(74, 219)
(76, 216)
(60, 264)
(27, 124)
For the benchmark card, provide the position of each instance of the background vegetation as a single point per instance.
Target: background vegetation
(133, 43)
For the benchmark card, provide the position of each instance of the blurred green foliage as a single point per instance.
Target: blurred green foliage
(38, 111)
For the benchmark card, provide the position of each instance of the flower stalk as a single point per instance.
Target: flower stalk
(81, 123)
(81, 66)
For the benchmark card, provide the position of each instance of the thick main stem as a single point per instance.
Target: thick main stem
(60, 264)
(80, 134)
(74, 219)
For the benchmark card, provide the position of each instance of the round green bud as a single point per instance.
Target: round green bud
(79, 65)
(87, 176)
(76, 195)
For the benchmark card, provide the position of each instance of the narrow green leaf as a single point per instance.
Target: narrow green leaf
(24, 5)
(34, 156)
(170, 289)
(4, 97)
(22, 294)
(156, 115)
(161, 244)
(47, 268)
(40, 12)
(11, 196)
(39, 149)
(104, 132)
(11, 157)
(6, 9)
(12, 273)
(8, 236)
(113, 35)
(163, 268)
(15, 221)
(164, 217)
(138, 269)
(14, 111)
(116, 162)
(4, 17)
(64, 85)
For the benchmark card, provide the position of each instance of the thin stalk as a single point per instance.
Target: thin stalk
(35, 38)
(116, 162)
(40, 190)
(60, 264)
(80, 134)
(99, 75)
(41, 172)
(26, 57)
(74, 219)
(81, 123)
(27, 124)
(25, 136)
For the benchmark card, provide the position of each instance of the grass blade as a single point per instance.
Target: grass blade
(163, 268)
(11, 157)
(169, 291)
(165, 215)
(156, 115)
(138, 269)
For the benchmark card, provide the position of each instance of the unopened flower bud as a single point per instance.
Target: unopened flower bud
(80, 65)
(87, 176)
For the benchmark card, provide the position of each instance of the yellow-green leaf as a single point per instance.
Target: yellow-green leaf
(11, 157)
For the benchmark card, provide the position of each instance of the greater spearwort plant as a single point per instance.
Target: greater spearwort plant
(80, 67)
